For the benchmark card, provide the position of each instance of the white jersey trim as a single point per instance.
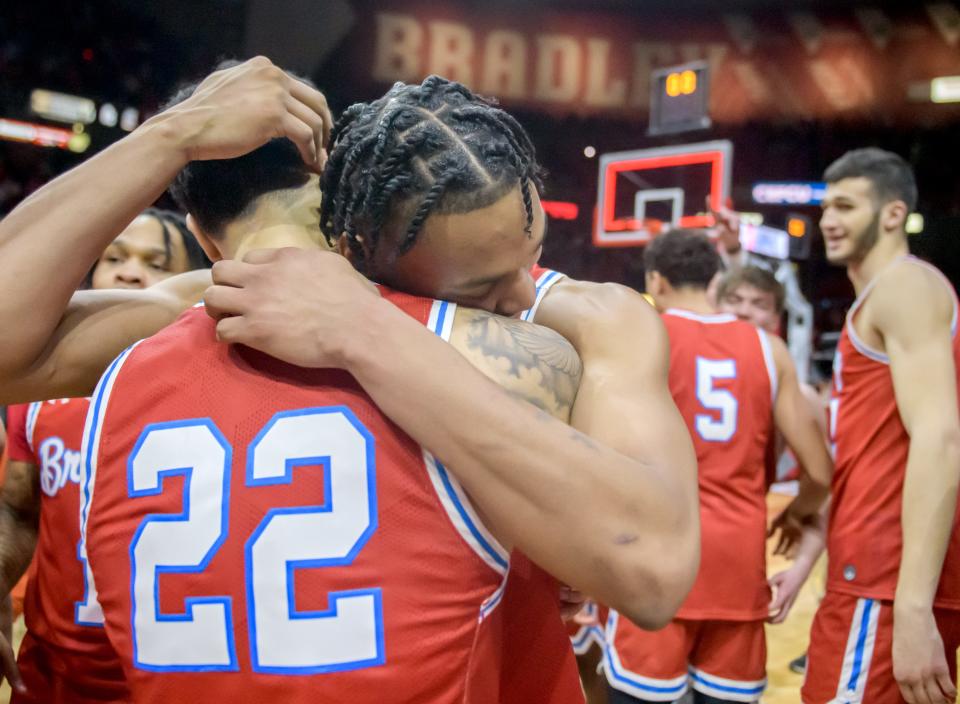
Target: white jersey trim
(690, 315)
(769, 362)
(89, 450)
(865, 349)
(33, 412)
(452, 497)
(622, 679)
(726, 689)
(544, 283)
(858, 653)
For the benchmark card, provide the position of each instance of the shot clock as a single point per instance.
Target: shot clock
(679, 97)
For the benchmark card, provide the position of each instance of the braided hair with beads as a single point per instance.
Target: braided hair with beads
(420, 149)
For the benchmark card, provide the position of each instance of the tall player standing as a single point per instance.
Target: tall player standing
(62, 657)
(734, 385)
(888, 629)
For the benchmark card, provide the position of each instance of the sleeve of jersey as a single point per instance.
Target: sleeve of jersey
(17, 446)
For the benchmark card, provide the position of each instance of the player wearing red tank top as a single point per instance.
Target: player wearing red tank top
(888, 629)
(528, 473)
(734, 384)
(64, 657)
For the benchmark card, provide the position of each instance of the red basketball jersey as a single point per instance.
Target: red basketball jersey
(260, 532)
(48, 434)
(538, 660)
(723, 380)
(865, 538)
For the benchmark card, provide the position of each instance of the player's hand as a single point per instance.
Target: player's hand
(788, 528)
(297, 305)
(919, 661)
(727, 227)
(786, 586)
(571, 602)
(238, 109)
(8, 660)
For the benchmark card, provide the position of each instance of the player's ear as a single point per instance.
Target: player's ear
(653, 283)
(206, 243)
(893, 216)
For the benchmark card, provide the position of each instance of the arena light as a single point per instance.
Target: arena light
(788, 192)
(129, 119)
(914, 224)
(108, 115)
(796, 227)
(589, 152)
(560, 210)
(31, 133)
(945, 89)
(62, 107)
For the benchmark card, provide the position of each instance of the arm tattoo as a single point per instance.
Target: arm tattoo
(531, 362)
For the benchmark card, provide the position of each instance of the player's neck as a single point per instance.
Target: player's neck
(692, 300)
(886, 251)
(272, 237)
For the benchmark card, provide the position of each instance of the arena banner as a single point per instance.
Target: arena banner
(861, 64)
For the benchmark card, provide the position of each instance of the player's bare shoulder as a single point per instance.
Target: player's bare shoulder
(603, 318)
(528, 360)
(910, 294)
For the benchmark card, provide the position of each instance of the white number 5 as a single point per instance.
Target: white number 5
(708, 426)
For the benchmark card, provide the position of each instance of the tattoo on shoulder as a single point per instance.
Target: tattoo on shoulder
(533, 362)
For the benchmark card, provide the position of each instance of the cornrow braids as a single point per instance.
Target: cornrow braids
(419, 150)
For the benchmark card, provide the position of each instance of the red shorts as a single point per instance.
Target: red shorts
(723, 659)
(46, 672)
(850, 658)
(586, 629)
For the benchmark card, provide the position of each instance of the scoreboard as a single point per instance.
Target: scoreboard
(679, 98)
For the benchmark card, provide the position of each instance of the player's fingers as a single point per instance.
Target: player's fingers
(232, 272)
(919, 693)
(317, 102)
(232, 330)
(11, 670)
(946, 686)
(309, 118)
(932, 690)
(906, 691)
(224, 301)
(299, 132)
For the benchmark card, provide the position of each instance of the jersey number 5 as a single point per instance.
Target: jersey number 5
(709, 426)
(348, 635)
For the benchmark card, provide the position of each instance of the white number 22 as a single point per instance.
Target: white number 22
(349, 635)
(710, 428)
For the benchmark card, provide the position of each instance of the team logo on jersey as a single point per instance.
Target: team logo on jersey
(58, 464)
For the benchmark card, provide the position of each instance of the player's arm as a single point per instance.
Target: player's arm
(19, 521)
(917, 336)
(530, 362)
(800, 426)
(615, 518)
(50, 241)
(95, 328)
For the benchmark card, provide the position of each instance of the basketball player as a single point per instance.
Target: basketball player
(732, 382)
(262, 90)
(62, 658)
(753, 294)
(889, 626)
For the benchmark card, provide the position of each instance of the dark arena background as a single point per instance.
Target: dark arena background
(763, 94)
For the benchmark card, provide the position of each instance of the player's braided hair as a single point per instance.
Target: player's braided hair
(420, 149)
